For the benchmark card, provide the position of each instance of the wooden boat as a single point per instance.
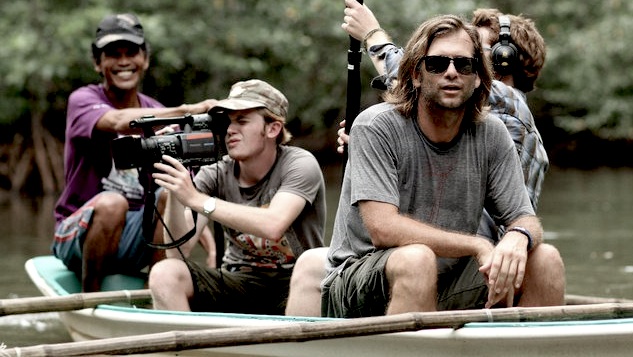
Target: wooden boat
(603, 337)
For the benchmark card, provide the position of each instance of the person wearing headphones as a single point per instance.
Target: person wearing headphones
(517, 52)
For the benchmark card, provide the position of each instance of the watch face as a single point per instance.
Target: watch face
(209, 205)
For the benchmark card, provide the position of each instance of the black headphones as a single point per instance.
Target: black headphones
(504, 52)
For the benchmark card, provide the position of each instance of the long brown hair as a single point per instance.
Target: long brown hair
(404, 95)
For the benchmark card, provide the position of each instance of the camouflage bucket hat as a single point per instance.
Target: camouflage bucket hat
(253, 94)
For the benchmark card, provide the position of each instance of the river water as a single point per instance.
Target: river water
(588, 215)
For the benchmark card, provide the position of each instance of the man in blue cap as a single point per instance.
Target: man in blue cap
(99, 213)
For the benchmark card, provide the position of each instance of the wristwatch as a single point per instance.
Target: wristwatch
(209, 206)
(526, 233)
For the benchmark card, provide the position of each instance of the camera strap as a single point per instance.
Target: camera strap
(150, 212)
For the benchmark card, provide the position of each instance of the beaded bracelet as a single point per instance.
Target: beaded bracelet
(370, 34)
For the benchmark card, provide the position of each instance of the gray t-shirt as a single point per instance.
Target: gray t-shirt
(295, 171)
(390, 160)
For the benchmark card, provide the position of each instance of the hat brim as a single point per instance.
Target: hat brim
(236, 104)
(108, 39)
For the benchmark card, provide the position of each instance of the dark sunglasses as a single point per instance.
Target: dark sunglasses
(439, 64)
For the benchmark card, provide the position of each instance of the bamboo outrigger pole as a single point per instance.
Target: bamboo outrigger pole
(72, 302)
(307, 331)
(78, 301)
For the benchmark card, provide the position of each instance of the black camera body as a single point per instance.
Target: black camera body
(194, 146)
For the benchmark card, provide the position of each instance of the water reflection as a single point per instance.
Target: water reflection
(586, 214)
(26, 228)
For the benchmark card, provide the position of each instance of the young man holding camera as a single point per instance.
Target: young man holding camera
(99, 213)
(269, 198)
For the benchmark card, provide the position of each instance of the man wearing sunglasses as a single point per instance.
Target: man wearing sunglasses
(508, 92)
(507, 101)
(422, 166)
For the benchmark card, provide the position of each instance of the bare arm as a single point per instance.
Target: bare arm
(503, 265)
(359, 21)
(269, 223)
(207, 241)
(118, 120)
(178, 221)
(388, 228)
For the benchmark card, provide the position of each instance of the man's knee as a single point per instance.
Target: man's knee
(171, 285)
(110, 205)
(546, 256)
(311, 264)
(545, 268)
(168, 272)
(544, 282)
(414, 259)
(304, 297)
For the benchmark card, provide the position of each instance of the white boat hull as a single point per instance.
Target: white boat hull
(612, 337)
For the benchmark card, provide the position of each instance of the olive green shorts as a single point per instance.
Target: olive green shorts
(235, 290)
(362, 288)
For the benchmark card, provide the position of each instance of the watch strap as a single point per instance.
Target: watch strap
(526, 233)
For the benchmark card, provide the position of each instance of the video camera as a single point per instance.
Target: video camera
(197, 144)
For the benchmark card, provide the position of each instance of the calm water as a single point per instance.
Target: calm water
(586, 214)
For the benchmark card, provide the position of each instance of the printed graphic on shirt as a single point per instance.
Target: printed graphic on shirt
(264, 253)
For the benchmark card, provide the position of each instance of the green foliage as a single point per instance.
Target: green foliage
(587, 78)
(199, 48)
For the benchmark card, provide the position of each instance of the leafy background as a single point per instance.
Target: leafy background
(199, 48)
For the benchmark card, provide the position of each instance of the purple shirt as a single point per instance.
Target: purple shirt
(88, 165)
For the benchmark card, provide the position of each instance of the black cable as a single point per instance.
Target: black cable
(171, 237)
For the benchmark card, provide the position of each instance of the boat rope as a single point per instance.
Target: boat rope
(489, 315)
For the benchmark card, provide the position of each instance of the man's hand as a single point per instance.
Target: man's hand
(505, 269)
(200, 107)
(168, 129)
(342, 138)
(174, 177)
(358, 20)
